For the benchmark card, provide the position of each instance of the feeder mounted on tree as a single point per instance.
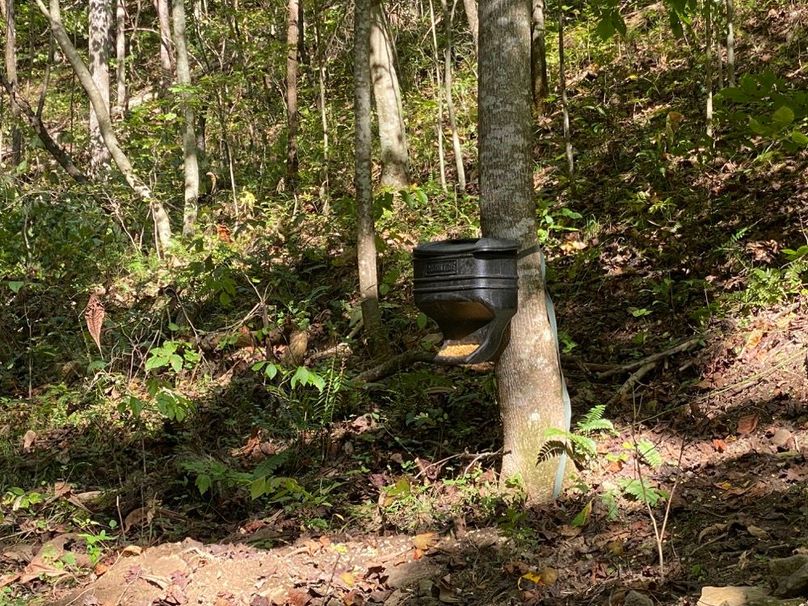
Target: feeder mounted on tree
(469, 287)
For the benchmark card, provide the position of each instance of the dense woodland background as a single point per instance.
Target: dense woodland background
(186, 354)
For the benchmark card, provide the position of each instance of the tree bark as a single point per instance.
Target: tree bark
(473, 19)
(562, 85)
(11, 78)
(321, 84)
(366, 232)
(120, 55)
(99, 36)
(189, 149)
(292, 46)
(166, 50)
(389, 108)
(530, 385)
(730, 6)
(708, 70)
(162, 224)
(35, 122)
(538, 57)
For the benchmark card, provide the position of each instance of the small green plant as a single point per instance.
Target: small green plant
(174, 354)
(19, 499)
(578, 444)
(639, 490)
(96, 544)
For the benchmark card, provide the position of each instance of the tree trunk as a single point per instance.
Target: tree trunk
(562, 85)
(530, 385)
(11, 78)
(538, 55)
(292, 45)
(321, 83)
(366, 232)
(189, 149)
(448, 17)
(100, 28)
(166, 50)
(438, 99)
(474, 24)
(120, 55)
(730, 4)
(708, 70)
(162, 224)
(387, 93)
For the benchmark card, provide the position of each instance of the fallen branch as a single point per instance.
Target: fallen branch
(392, 366)
(631, 382)
(652, 359)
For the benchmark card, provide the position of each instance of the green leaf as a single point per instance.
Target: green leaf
(605, 28)
(783, 115)
(270, 370)
(582, 519)
(15, 285)
(757, 128)
(203, 483)
(258, 487)
(304, 376)
(799, 138)
(176, 362)
(421, 321)
(155, 361)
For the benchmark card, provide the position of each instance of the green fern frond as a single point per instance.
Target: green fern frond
(649, 453)
(553, 448)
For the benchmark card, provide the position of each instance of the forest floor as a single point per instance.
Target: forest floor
(733, 449)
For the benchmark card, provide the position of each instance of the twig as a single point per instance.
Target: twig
(654, 358)
(391, 366)
(474, 456)
(631, 382)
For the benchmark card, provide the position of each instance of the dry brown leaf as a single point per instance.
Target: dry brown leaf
(138, 517)
(28, 440)
(757, 532)
(425, 541)
(719, 444)
(132, 550)
(753, 339)
(747, 424)
(94, 316)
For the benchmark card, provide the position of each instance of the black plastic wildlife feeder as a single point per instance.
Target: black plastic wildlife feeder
(469, 287)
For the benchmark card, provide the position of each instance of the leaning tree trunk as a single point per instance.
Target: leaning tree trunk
(100, 28)
(366, 232)
(162, 224)
(538, 60)
(292, 46)
(389, 108)
(189, 149)
(530, 385)
(11, 78)
(34, 119)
